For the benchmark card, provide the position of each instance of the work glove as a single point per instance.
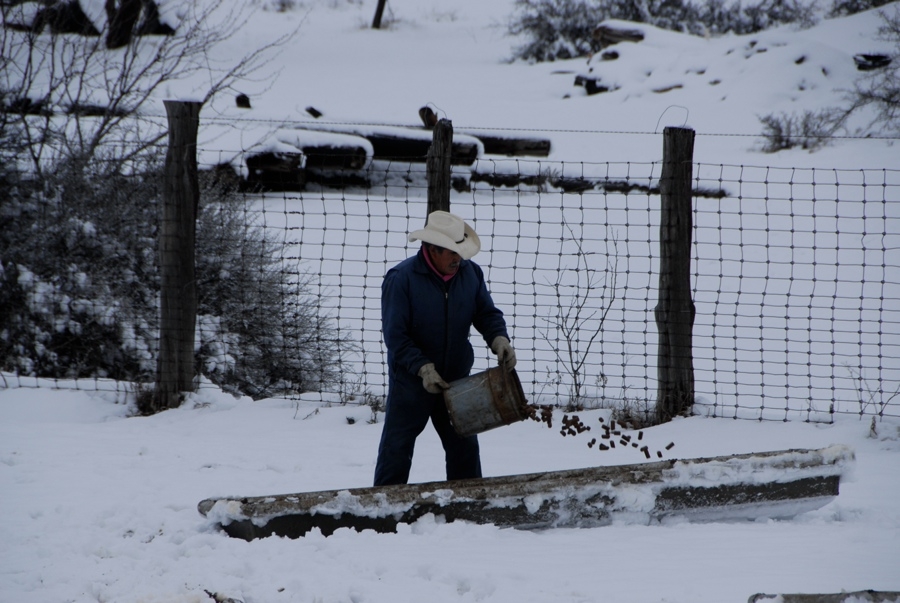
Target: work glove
(505, 352)
(431, 381)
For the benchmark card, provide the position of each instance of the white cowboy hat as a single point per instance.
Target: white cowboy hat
(450, 232)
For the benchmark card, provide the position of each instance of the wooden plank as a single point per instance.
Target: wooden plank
(769, 484)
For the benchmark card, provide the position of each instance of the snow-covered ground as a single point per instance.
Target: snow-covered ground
(100, 507)
(96, 505)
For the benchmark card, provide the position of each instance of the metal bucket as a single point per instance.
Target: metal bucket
(486, 400)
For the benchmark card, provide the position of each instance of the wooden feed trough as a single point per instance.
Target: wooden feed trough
(749, 486)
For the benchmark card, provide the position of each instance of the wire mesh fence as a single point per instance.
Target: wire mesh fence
(795, 277)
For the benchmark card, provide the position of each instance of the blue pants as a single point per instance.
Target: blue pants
(405, 419)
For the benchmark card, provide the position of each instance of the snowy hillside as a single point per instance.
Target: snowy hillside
(457, 60)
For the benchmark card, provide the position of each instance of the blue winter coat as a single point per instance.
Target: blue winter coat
(425, 319)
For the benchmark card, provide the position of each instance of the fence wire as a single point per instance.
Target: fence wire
(796, 277)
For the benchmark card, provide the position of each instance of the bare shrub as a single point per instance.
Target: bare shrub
(810, 130)
(880, 89)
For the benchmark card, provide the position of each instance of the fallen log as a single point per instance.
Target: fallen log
(512, 146)
(496, 143)
(860, 596)
(396, 143)
(750, 486)
(276, 171)
(324, 150)
(609, 35)
(335, 157)
(286, 159)
(399, 147)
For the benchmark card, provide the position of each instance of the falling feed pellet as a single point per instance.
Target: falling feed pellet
(572, 425)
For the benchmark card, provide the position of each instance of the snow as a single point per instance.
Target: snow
(456, 60)
(99, 505)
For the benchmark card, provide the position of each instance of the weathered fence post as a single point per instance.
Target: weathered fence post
(178, 295)
(437, 166)
(675, 308)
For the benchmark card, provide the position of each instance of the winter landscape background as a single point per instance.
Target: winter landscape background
(100, 505)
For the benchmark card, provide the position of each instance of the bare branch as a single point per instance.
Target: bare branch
(90, 97)
(574, 315)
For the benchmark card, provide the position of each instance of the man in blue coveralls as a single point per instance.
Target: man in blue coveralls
(429, 302)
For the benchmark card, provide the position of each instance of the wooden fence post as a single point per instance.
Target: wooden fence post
(675, 309)
(178, 295)
(437, 166)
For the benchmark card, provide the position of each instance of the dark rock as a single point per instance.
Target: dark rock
(591, 84)
(868, 62)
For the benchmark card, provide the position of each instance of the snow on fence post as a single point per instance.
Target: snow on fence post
(178, 295)
(437, 166)
(675, 309)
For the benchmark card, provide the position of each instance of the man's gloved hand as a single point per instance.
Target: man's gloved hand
(505, 352)
(431, 381)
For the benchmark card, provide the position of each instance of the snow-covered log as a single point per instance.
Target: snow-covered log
(513, 146)
(610, 33)
(397, 143)
(750, 486)
(859, 596)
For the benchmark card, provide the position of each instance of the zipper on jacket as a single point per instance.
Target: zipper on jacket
(446, 325)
